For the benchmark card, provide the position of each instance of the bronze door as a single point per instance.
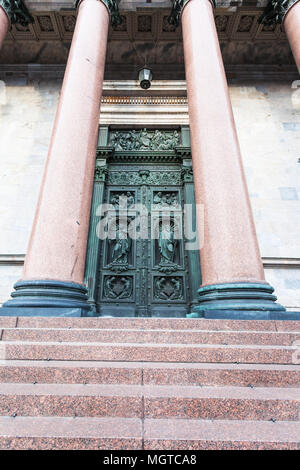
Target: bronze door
(143, 268)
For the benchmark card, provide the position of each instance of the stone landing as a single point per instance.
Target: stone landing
(103, 383)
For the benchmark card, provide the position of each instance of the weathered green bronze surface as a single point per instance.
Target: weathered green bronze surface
(144, 140)
(275, 11)
(17, 12)
(144, 276)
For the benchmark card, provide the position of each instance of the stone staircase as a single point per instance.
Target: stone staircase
(149, 383)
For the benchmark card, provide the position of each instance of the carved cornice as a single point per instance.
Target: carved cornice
(145, 156)
(104, 152)
(177, 8)
(17, 12)
(183, 152)
(113, 8)
(236, 26)
(275, 11)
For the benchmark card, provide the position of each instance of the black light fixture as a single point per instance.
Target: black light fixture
(145, 77)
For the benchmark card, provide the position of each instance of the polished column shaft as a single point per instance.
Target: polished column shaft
(58, 241)
(231, 267)
(52, 280)
(4, 25)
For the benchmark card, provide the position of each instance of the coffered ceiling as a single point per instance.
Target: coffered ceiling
(146, 35)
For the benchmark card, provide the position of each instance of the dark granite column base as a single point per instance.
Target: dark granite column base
(238, 300)
(47, 298)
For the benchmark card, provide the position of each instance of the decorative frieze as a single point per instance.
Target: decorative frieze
(168, 288)
(241, 24)
(148, 100)
(144, 177)
(245, 24)
(144, 23)
(275, 11)
(144, 140)
(17, 12)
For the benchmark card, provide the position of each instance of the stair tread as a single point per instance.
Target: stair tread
(222, 430)
(167, 391)
(190, 323)
(84, 427)
(148, 330)
(146, 365)
(152, 352)
(162, 429)
(97, 370)
(140, 336)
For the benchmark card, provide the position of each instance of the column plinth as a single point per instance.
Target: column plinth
(231, 266)
(54, 266)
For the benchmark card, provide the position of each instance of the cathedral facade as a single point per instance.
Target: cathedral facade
(149, 159)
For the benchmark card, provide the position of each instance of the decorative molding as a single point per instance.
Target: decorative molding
(268, 262)
(148, 100)
(148, 156)
(183, 152)
(233, 23)
(104, 152)
(178, 5)
(117, 287)
(187, 174)
(113, 8)
(17, 12)
(145, 177)
(275, 11)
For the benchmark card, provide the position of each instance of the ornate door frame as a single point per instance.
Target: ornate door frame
(132, 164)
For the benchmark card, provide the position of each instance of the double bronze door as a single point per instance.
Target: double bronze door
(143, 268)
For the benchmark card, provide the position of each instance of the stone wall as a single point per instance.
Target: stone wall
(267, 118)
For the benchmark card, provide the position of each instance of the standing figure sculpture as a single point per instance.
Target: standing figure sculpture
(166, 242)
(122, 244)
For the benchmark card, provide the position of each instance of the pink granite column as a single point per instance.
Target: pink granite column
(4, 25)
(230, 252)
(291, 25)
(230, 257)
(58, 240)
